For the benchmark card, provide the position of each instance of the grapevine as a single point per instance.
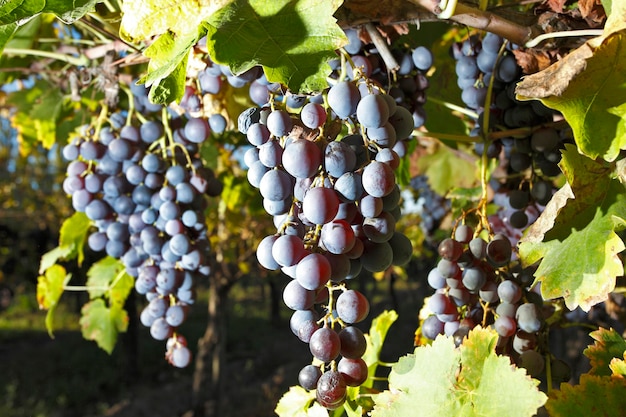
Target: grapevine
(367, 135)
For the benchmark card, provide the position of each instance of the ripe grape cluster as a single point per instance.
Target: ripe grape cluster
(532, 157)
(407, 84)
(475, 283)
(335, 204)
(144, 193)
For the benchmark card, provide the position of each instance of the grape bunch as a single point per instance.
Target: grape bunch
(531, 158)
(335, 203)
(476, 282)
(407, 84)
(430, 206)
(145, 196)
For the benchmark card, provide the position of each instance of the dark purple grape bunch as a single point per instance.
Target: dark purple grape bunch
(145, 196)
(335, 204)
(336, 345)
(476, 282)
(532, 160)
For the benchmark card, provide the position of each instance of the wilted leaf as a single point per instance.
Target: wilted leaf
(597, 396)
(608, 345)
(588, 86)
(292, 40)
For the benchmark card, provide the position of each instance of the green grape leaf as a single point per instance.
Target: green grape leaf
(51, 257)
(297, 403)
(74, 232)
(71, 241)
(375, 339)
(18, 11)
(168, 65)
(441, 380)
(6, 33)
(38, 110)
(608, 345)
(597, 396)
(448, 168)
(422, 382)
(49, 290)
(142, 19)
(588, 87)
(15, 11)
(579, 247)
(102, 324)
(108, 277)
(70, 11)
(292, 39)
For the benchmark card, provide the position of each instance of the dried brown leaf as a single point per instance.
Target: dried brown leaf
(532, 60)
(592, 11)
(556, 5)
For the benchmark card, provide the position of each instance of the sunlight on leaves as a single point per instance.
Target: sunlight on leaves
(579, 253)
(442, 380)
(292, 40)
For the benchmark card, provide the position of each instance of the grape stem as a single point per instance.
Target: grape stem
(551, 35)
(454, 107)
(81, 61)
(381, 46)
(447, 136)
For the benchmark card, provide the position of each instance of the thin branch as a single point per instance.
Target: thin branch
(381, 46)
(483, 20)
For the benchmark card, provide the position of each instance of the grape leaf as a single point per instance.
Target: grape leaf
(597, 396)
(618, 366)
(588, 87)
(292, 39)
(102, 324)
(168, 65)
(38, 109)
(440, 380)
(447, 168)
(14, 11)
(74, 232)
(295, 403)
(580, 252)
(71, 241)
(608, 344)
(375, 339)
(6, 33)
(51, 257)
(142, 19)
(108, 277)
(49, 290)
(19, 11)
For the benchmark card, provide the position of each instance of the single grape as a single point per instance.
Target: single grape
(308, 377)
(325, 344)
(352, 306)
(331, 390)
